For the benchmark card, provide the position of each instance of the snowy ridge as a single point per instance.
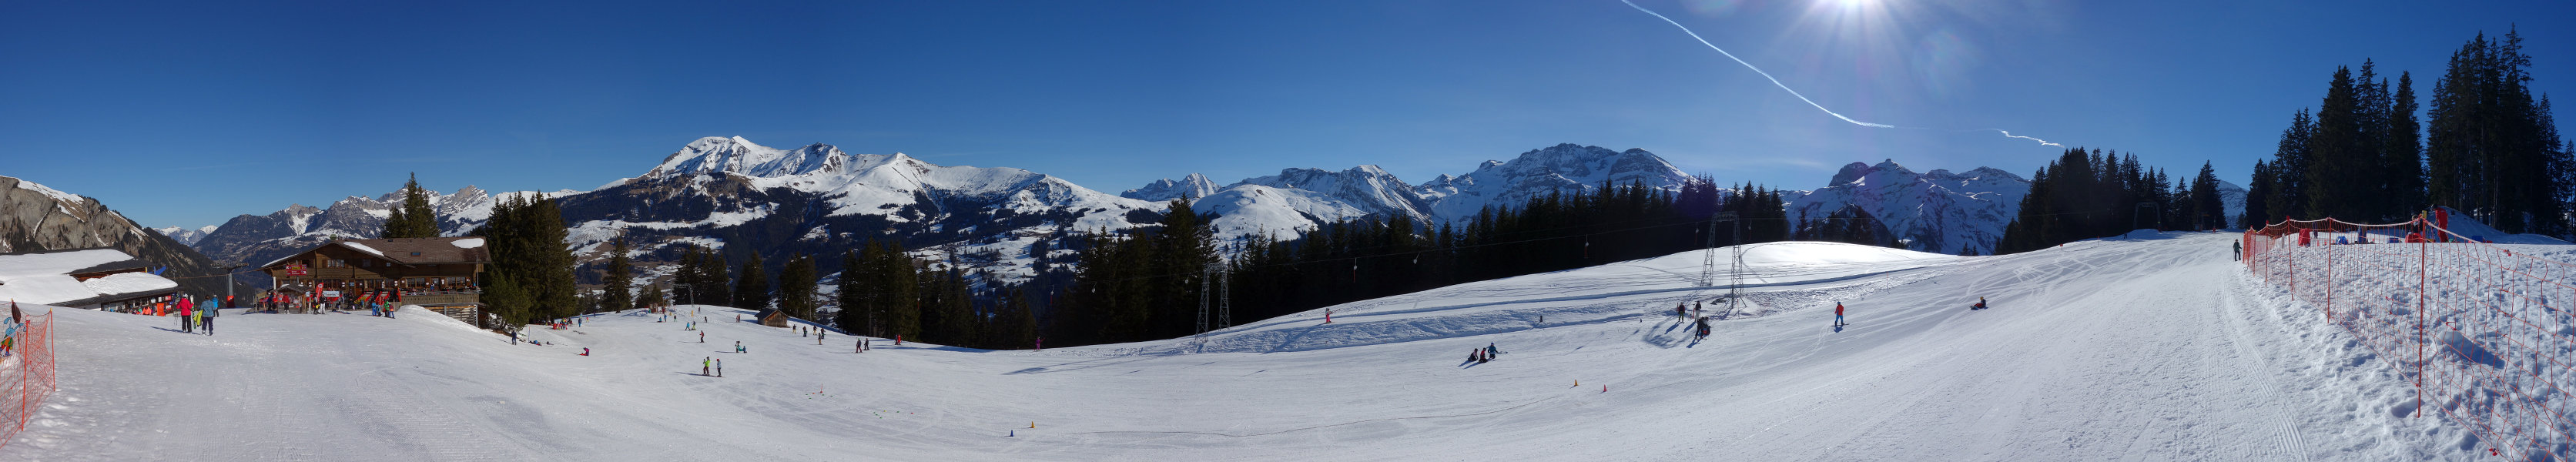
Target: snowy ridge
(1567, 168)
(1302, 199)
(186, 235)
(1164, 190)
(57, 194)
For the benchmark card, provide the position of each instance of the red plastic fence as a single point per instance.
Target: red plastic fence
(29, 374)
(2482, 331)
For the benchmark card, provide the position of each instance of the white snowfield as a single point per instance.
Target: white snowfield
(2157, 348)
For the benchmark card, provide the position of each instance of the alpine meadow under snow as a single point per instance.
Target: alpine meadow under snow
(2150, 347)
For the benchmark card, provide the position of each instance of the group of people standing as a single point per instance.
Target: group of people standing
(194, 317)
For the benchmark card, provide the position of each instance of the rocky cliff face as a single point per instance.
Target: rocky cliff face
(37, 218)
(1939, 212)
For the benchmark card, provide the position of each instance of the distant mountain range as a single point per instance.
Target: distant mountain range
(1304, 198)
(748, 199)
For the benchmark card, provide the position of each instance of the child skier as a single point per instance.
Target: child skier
(705, 365)
(737, 347)
(719, 368)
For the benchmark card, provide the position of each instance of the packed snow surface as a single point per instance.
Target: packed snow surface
(2152, 347)
(467, 243)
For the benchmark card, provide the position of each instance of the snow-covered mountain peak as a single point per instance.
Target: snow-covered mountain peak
(740, 156)
(1884, 173)
(1194, 185)
(186, 235)
(1568, 167)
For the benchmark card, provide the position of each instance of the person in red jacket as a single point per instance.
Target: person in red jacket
(185, 324)
(1838, 313)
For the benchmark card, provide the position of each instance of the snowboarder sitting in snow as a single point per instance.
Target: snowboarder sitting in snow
(1981, 303)
(1490, 351)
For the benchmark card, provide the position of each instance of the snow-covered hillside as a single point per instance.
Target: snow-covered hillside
(2149, 348)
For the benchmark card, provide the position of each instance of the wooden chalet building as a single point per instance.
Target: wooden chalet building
(442, 274)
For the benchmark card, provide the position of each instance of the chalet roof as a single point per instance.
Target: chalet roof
(71, 261)
(45, 277)
(411, 250)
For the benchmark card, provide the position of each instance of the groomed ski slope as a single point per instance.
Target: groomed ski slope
(2148, 348)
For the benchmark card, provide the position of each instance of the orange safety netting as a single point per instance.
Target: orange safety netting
(28, 370)
(2482, 332)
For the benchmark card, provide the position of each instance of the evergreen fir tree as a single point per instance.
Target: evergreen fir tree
(414, 217)
(796, 287)
(618, 278)
(751, 288)
(853, 296)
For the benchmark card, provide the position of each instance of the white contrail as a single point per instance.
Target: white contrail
(2010, 135)
(1775, 81)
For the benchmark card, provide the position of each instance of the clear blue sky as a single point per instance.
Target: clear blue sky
(188, 113)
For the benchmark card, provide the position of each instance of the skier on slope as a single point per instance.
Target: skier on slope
(184, 325)
(1838, 313)
(706, 366)
(737, 347)
(719, 368)
(1703, 327)
(702, 337)
(201, 320)
(208, 322)
(1490, 351)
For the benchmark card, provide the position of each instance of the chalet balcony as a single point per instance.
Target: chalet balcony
(443, 299)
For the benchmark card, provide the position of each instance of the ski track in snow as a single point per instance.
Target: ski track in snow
(2147, 349)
